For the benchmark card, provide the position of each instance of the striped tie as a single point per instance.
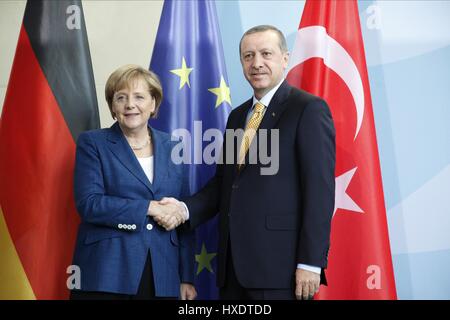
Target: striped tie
(250, 131)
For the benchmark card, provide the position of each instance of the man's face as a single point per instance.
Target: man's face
(262, 61)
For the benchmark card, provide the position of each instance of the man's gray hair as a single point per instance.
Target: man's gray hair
(266, 27)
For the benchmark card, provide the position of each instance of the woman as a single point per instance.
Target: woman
(122, 253)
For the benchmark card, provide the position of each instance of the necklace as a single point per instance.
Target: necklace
(141, 146)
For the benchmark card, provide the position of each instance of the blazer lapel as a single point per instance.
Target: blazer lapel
(122, 150)
(161, 156)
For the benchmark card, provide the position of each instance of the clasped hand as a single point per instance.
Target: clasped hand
(169, 213)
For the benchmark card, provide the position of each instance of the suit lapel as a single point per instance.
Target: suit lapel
(273, 113)
(276, 107)
(239, 124)
(122, 150)
(242, 117)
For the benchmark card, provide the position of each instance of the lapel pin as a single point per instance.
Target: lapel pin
(273, 114)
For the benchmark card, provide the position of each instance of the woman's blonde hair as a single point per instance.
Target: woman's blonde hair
(125, 76)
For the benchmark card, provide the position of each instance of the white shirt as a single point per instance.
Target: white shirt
(147, 165)
(265, 101)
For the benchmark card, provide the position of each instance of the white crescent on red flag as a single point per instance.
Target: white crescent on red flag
(328, 60)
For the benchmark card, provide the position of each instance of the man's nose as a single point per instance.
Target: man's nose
(257, 62)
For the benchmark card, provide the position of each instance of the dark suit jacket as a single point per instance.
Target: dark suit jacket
(274, 222)
(112, 196)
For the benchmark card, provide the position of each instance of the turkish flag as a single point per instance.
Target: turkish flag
(328, 60)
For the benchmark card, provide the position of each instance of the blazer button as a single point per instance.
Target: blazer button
(133, 227)
(149, 226)
(120, 226)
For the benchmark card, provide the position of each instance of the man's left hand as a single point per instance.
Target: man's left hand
(306, 284)
(187, 291)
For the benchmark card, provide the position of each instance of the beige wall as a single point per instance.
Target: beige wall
(119, 32)
(11, 14)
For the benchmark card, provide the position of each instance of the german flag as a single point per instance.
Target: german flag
(50, 100)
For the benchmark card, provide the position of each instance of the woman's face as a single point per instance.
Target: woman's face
(133, 106)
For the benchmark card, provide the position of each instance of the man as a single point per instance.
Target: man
(274, 230)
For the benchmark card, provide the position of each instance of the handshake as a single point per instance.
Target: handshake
(169, 213)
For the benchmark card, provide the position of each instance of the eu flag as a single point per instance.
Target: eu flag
(188, 58)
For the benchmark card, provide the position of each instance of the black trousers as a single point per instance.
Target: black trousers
(146, 289)
(233, 290)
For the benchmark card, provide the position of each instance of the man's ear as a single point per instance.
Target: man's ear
(286, 58)
(242, 61)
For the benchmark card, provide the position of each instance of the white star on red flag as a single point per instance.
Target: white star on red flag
(342, 198)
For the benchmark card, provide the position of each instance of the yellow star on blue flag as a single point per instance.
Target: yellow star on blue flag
(183, 73)
(204, 260)
(182, 46)
(222, 93)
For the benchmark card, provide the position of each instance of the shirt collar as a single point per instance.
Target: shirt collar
(268, 96)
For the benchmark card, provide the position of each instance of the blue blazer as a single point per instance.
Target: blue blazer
(112, 195)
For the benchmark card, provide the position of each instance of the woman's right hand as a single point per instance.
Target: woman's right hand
(167, 215)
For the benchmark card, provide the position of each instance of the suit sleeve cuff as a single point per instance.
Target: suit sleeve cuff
(186, 210)
(307, 267)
